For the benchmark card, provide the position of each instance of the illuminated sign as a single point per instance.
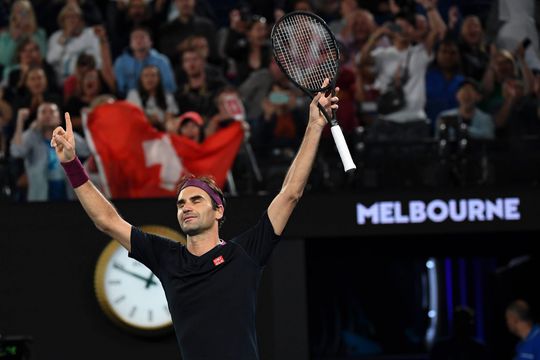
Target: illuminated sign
(455, 210)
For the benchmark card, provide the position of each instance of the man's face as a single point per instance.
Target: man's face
(407, 30)
(448, 56)
(195, 213)
(186, 7)
(48, 116)
(511, 322)
(471, 30)
(192, 63)
(468, 96)
(140, 41)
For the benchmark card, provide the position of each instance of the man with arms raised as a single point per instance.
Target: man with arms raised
(210, 284)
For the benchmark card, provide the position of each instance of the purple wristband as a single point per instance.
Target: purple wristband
(75, 172)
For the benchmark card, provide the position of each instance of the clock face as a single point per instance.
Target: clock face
(129, 293)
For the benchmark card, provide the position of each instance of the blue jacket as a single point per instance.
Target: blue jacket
(127, 70)
(529, 349)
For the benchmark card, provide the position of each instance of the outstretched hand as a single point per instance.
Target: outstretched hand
(328, 102)
(63, 141)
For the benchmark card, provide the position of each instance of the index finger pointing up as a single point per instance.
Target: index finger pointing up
(69, 127)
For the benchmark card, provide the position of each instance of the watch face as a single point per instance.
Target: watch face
(129, 293)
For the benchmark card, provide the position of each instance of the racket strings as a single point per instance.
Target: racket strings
(306, 51)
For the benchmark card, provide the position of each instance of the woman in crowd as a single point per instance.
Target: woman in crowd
(158, 104)
(250, 49)
(22, 24)
(27, 55)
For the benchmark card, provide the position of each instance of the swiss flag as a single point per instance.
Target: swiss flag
(140, 161)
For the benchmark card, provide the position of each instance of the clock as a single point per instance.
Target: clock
(129, 293)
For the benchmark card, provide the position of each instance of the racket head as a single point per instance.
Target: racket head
(305, 49)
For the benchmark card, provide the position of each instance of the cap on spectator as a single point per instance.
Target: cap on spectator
(475, 84)
(190, 116)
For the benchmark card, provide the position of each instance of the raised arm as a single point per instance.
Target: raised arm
(295, 181)
(98, 208)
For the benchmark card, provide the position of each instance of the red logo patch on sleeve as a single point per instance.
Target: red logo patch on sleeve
(219, 260)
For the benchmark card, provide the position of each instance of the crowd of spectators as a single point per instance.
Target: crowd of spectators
(408, 69)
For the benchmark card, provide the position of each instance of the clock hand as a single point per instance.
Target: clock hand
(121, 268)
(149, 281)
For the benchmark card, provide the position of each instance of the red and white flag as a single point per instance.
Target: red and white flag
(139, 161)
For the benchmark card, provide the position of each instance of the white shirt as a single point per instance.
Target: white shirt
(63, 57)
(387, 61)
(151, 105)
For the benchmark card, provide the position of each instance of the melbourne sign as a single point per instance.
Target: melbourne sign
(437, 211)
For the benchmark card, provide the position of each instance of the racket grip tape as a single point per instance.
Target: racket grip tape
(342, 148)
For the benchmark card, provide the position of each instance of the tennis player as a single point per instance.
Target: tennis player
(210, 284)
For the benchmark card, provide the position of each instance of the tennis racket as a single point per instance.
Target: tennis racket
(306, 51)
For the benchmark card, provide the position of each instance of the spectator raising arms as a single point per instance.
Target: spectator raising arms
(22, 24)
(46, 179)
(250, 49)
(474, 56)
(128, 67)
(158, 104)
(69, 41)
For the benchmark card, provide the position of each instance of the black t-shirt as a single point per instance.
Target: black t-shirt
(212, 298)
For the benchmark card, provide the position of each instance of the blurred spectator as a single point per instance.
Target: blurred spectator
(199, 43)
(129, 14)
(403, 66)
(70, 40)
(198, 90)
(250, 49)
(129, 65)
(46, 178)
(474, 56)
(22, 24)
(503, 66)
(354, 35)
(518, 115)
(347, 9)
(229, 109)
(479, 124)
(85, 62)
(47, 12)
(190, 125)
(513, 22)
(36, 91)
(90, 86)
(443, 79)
(520, 323)
(280, 126)
(366, 93)
(150, 95)
(186, 24)
(258, 85)
(461, 345)
(28, 55)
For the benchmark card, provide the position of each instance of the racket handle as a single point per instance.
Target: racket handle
(342, 148)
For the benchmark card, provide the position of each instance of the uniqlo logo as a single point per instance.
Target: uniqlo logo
(219, 260)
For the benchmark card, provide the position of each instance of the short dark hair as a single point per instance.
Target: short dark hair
(211, 182)
(521, 309)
